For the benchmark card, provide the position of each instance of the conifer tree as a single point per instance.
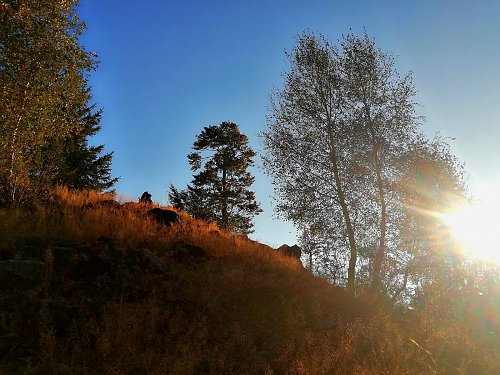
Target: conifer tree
(75, 163)
(45, 115)
(220, 192)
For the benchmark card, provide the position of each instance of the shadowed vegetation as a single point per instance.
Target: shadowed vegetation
(201, 300)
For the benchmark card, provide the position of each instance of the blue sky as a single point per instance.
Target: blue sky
(169, 68)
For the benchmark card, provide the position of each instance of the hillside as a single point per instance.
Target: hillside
(88, 287)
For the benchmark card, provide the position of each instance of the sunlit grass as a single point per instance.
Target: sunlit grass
(244, 309)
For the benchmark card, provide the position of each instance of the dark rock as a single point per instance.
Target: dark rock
(146, 198)
(152, 262)
(91, 262)
(166, 217)
(291, 251)
(28, 248)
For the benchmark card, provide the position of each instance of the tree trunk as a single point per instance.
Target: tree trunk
(351, 272)
(12, 178)
(224, 213)
(380, 253)
(379, 256)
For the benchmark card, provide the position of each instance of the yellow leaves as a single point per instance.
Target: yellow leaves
(7, 10)
(66, 5)
(4, 6)
(24, 11)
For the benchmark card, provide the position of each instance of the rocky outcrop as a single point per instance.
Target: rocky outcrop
(146, 199)
(54, 284)
(151, 262)
(165, 217)
(291, 251)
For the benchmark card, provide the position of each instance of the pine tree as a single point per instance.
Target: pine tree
(219, 191)
(75, 163)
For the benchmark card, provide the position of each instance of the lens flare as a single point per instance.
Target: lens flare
(475, 227)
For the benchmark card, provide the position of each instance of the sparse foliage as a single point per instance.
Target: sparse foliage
(339, 137)
(424, 250)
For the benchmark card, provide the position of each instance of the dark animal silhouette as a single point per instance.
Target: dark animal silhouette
(292, 251)
(166, 217)
(146, 198)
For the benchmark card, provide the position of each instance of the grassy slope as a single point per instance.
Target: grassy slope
(241, 309)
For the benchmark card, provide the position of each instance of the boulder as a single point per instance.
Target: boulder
(291, 251)
(166, 217)
(152, 262)
(146, 198)
(27, 248)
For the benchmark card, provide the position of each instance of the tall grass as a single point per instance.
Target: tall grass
(243, 309)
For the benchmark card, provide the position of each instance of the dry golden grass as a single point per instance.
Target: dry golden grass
(244, 309)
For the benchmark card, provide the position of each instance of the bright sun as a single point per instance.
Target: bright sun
(476, 227)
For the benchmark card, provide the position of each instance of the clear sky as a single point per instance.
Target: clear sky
(169, 68)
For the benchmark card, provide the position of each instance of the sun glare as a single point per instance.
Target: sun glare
(476, 228)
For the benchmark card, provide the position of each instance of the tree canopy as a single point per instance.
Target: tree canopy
(220, 192)
(45, 115)
(338, 142)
